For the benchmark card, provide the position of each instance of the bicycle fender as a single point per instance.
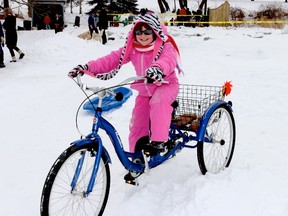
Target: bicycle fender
(205, 118)
(95, 142)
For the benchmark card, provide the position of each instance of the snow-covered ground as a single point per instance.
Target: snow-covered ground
(39, 102)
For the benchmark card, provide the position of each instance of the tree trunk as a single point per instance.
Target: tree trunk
(166, 5)
(30, 9)
(174, 9)
(183, 3)
(6, 3)
(80, 7)
(162, 9)
(203, 2)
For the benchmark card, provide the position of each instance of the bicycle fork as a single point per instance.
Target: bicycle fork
(97, 154)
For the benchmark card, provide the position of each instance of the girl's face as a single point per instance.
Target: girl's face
(144, 36)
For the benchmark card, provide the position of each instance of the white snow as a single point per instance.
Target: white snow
(37, 122)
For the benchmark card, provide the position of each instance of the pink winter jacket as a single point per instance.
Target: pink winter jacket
(167, 61)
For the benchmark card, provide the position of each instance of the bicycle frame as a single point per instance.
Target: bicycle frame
(80, 178)
(175, 135)
(100, 122)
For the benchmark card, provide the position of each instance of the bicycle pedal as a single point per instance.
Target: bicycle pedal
(129, 179)
(132, 182)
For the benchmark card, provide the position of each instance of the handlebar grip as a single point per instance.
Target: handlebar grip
(150, 80)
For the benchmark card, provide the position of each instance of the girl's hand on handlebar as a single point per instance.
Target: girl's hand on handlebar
(155, 74)
(78, 70)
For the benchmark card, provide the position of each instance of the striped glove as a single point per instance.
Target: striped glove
(155, 73)
(78, 70)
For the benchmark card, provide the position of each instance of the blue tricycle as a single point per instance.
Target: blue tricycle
(79, 181)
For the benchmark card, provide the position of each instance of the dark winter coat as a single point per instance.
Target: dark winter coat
(1, 35)
(10, 30)
(103, 20)
(92, 22)
(1, 30)
(59, 24)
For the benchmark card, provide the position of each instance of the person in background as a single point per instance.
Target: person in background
(92, 23)
(103, 25)
(182, 15)
(11, 34)
(125, 22)
(155, 55)
(197, 14)
(188, 17)
(47, 21)
(2, 44)
(58, 23)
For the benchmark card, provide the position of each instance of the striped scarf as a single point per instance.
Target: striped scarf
(152, 20)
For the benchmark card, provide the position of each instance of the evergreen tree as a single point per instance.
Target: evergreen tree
(115, 6)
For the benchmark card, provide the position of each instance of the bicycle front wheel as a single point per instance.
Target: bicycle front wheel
(65, 189)
(216, 150)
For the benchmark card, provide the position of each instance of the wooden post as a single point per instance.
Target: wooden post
(6, 3)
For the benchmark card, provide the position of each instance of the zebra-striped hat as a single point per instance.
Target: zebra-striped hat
(152, 20)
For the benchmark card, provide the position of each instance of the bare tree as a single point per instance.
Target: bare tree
(80, 6)
(6, 3)
(20, 3)
(166, 5)
(203, 4)
(183, 3)
(163, 5)
(174, 7)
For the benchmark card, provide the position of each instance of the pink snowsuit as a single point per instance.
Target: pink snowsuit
(153, 111)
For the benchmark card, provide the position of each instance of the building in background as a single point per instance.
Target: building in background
(40, 8)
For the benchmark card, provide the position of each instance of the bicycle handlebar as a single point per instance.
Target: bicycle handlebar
(95, 89)
(103, 92)
(129, 80)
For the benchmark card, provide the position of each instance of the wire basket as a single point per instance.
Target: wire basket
(193, 101)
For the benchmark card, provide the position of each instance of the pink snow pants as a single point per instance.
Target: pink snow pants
(151, 115)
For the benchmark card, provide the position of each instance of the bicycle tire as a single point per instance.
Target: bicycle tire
(215, 152)
(57, 198)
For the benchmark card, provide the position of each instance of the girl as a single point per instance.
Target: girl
(153, 55)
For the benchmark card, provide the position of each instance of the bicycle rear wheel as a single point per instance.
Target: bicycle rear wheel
(58, 198)
(216, 150)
